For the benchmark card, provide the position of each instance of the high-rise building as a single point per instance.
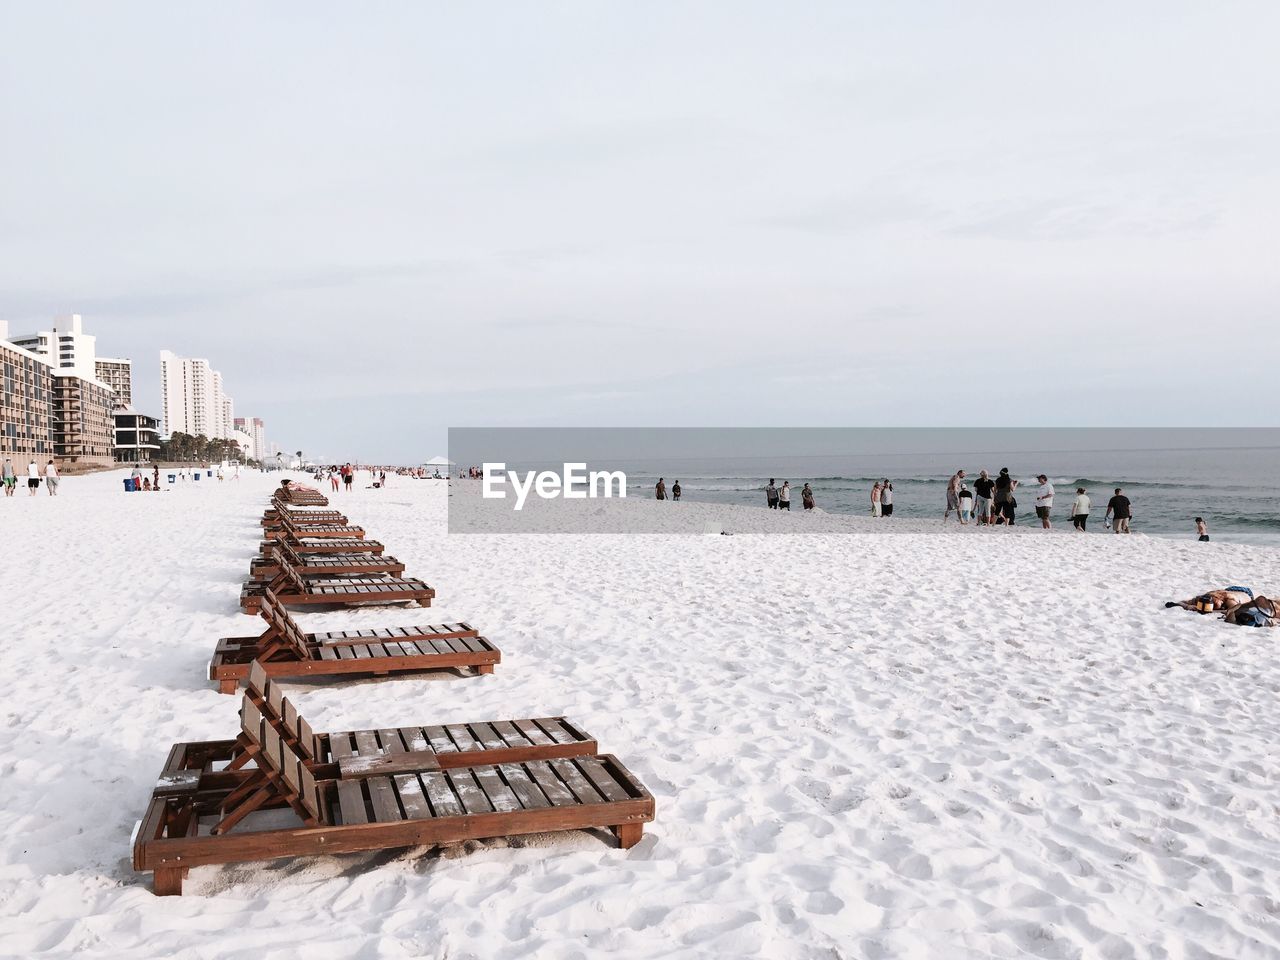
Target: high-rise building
(26, 402)
(66, 348)
(117, 373)
(83, 429)
(256, 432)
(192, 400)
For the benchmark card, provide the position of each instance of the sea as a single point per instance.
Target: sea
(1234, 489)
(1171, 475)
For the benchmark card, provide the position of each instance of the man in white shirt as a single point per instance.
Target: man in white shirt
(1044, 501)
(33, 478)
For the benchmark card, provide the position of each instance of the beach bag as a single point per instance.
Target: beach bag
(1253, 617)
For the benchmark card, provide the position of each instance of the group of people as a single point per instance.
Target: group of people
(993, 501)
(344, 475)
(34, 475)
(660, 490)
(779, 497)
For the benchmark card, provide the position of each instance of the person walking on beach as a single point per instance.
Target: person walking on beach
(784, 496)
(675, 491)
(1044, 501)
(333, 479)
(886, 498)
(1119, 511)
(33, 478)
(155, 477)
(876, 492)
(953, 495)
(1202, 530)
(1006, 506)
(771, 495)
(661, 489)
(8, 477)
(806, 497)
(966, 504)
(348, 475)
(1080, 509)
(984, 487)
(51, 479)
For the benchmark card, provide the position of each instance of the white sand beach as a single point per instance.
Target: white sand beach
(992, 743)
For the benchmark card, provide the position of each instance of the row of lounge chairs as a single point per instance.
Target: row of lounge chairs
(279, 789)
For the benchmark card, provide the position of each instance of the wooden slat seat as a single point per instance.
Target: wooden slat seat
(312, 546)
(324, 565)
(202, 810)
(286, 651)
(290, 587)
(275, 518)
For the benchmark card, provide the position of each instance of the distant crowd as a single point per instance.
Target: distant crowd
(992, 501)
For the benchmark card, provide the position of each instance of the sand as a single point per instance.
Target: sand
(983, 744)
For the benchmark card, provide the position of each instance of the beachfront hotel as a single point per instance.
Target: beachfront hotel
(192, 398)
(137, 437)
(26, 401)
(253, 429)
(54, 404)
(117, 373)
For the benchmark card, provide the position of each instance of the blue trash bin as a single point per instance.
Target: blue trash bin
(196, 475)
(173, 478)
(128, 484)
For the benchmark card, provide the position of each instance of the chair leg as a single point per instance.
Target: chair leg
(228, 686)
(168, 881)
(485, 668)
(629, 834)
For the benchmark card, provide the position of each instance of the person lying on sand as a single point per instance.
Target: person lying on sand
(1215, 600)
(1258, 612)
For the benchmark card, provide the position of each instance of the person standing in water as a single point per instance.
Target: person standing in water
(1202, 530)
(1044, 501)
(784, 496)
(953, 495)
(1080, 510)
(1119, 511)
(886, 498)
(675, 490)
(771, 495)
(1006, 506)
(876, 492)
(984, 486)
(806, 497)
(660, 491)
(966, 504)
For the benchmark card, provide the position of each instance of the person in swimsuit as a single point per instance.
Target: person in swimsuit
(1202, 530)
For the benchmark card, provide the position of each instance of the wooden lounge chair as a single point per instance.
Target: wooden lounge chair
(290, 587)
(454, 745)
(323, 565)
(283, 650)
(290, 529)
(306, 517)
(300, 497)
(308, 546)
(349, 793)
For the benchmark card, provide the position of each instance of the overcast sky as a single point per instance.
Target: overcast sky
(380, 220)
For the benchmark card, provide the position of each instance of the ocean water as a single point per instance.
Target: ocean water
(1237, 490)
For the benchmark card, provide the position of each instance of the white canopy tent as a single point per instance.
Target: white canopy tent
(439, 462)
